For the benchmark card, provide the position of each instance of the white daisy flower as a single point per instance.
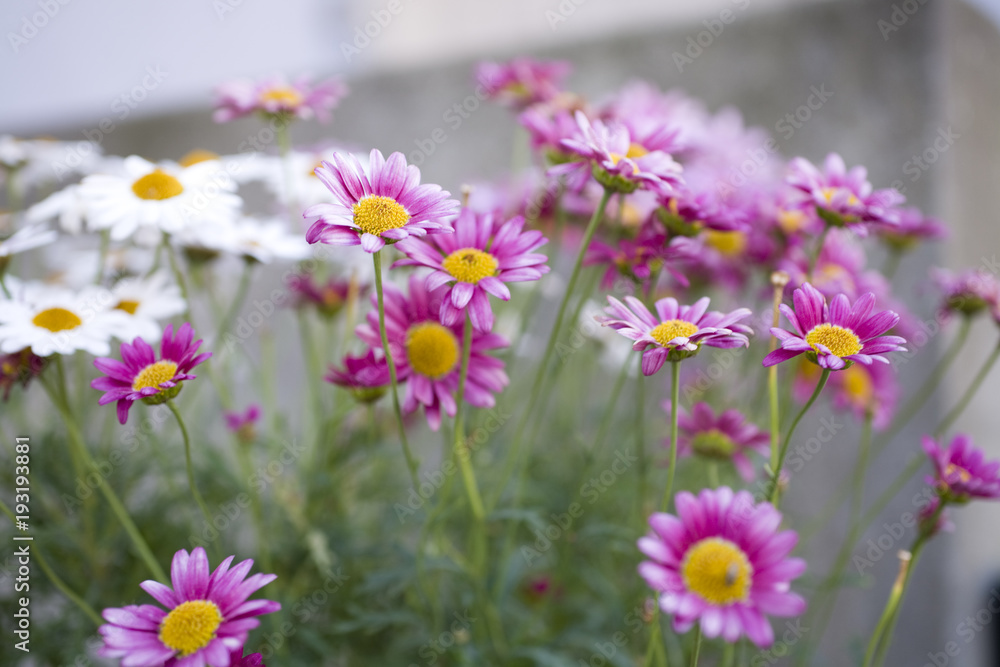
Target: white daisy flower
(67, 206)
(30, 237)
(147, 301)
(267, 241)
(46, 161)
(159, 197)
(55, 320)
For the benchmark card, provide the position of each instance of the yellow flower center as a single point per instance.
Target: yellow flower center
(634, 151)
(470, 265)
(196, 156)
(713, 444)
(431, 349)
(285, 96)
(728, 243)
(376, 214)
(128, 306)
(858, 385)
(57, 319)
(840, 341)
(157, 185)
(154, 375)
(963, 474)
(828, 194)
(190, 626)
(718, 571)
(791, 221)
(665, 332)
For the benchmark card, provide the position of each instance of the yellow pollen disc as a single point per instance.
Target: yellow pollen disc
(840, 341)
(128, 306)
(718, 571)
(154, 375)
(376, 214)
(791, 221)
(470, 265)
(196, 156)
(157, 185)
(634, 151)
(671, 329)
(828, 194)
(728, 243)
(285, 96)
(963, 474)
(858, 385)
(190, 626)
(57, 319)
(431, 349)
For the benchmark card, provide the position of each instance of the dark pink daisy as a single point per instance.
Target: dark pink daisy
(969, 292)
(961, 471)
(842, 196)
(206, 620)
(428, 354)
(677, 332)
(252, 660)
(141, 376)
(615, 160)
(244, 424)
(834, 335)
(478, 259)
(382, 204)
(276, 96)
(366, 376)
(727, 436)
(721, 562)
(522, 82)
(639, 258)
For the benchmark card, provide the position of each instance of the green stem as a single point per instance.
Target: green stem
(238, 298)
(189, 465)
(776, 482)
(713, 474)
(609, 409)
(640, 443)
(819, 249)
(675, 391)
(892, 263)
(462, 451)
(654, 639)
(696, 651)
(411, 463)
(175, 266)
(969, 393)
(102, 256)
(65, 589)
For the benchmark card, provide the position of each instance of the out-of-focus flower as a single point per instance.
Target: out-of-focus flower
(252, 660)
(961, 471)
(147, 197)
(40, 162)
(677, 332)
(141, 376)
(615, 161)
(366, 376)
(206, 621)
(384, 203)
(911, 228)
(928, 513)
(328, 298)
(859, 388)
(276, 96)
(834, 335)
(478, 259)
(266, 241)
(727, 436)
(969, 292)
(428, 354)
(19, 368)
(244, 424)
(842, 197)
(522, 81)
(55, 320)
(24, 239)
(640, 258)
(721, 563)
(147, 302)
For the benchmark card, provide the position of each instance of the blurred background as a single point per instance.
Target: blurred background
(912, 92)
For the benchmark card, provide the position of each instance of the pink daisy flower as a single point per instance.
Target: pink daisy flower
(843, 197)
(834, 335)
(478, 259)
(677, 332)
(721, 563)
(961, 471)
(428, 354)
(207, 619)
(522, 81)
(327, 297)
(240, 660)
(727, 436)
(276, 96)
(911, 228)
(141, 376)
(615, 160)
(366, 376)
(969, 292)
(244, 424)
(382, 204)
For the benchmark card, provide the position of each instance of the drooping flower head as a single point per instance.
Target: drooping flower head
(969, 292)
(383, 204)
(366, 376)
(961, 471)
(206, 620)
(911, 228)
(834, 335)
(727, 436)
(19, 368)
(141, 376)
(615, 160)
(522, 82)
(721, 562)
(860, 388)
(478, 259)
(844, 197)
(428, 354)
(327, 297)
(244, 424)
(676, 332)
(640, 258)
(275, 96)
